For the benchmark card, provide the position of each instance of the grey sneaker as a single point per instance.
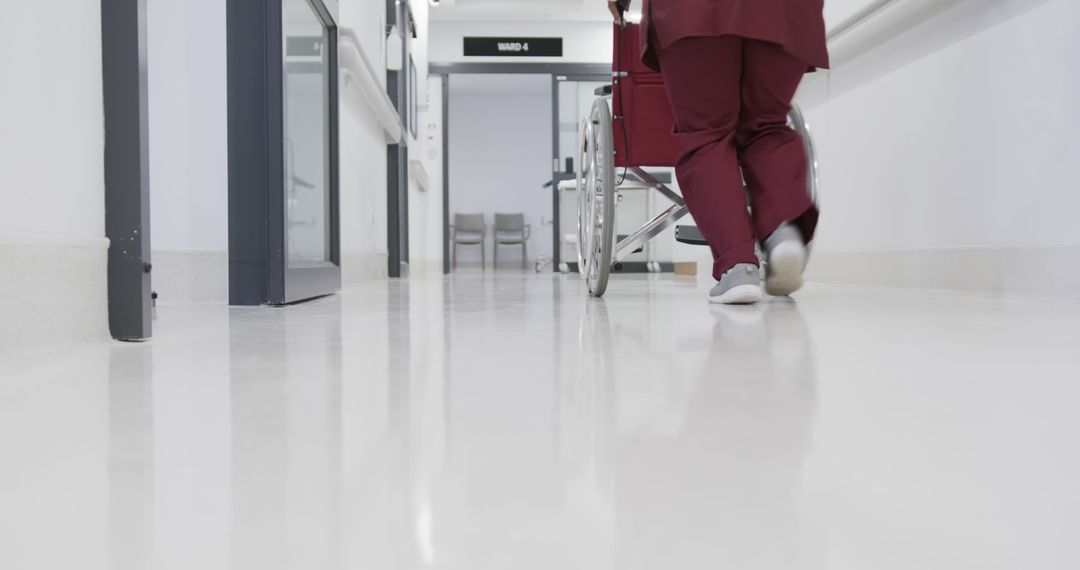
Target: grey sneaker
(741, 285)
(785, 260)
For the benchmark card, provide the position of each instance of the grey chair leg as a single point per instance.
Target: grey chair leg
(483, 256)
(524, 255)
(453, 256)
(495, 255)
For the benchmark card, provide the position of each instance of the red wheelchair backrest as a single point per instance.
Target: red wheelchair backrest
(642, 122)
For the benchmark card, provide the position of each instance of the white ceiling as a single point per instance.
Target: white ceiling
(521, 10)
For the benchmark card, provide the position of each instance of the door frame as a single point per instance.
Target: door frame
(573, 71)
(259, 273)
(398, 16)
(127, 167)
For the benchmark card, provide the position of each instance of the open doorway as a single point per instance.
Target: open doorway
(500, 143)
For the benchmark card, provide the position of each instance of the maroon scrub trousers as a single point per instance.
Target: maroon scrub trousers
(731, 68)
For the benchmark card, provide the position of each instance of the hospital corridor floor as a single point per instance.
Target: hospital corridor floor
(504, 421)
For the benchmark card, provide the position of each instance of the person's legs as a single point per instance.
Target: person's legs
(771, 153)
(702, 80)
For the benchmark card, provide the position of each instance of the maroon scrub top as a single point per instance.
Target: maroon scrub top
(796, 25)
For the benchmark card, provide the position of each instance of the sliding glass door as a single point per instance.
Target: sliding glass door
(283, 151)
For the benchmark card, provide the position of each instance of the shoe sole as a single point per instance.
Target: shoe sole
(785, 269)
(738, 295)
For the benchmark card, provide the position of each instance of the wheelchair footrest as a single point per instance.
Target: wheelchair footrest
(621, 237)
(689, 235)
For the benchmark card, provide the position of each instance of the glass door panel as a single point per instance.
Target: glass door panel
(307, 137)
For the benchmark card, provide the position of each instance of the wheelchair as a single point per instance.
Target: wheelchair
(630, 127)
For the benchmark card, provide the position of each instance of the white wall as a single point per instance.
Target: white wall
(836, 11)
(51, 120)
(363, 155)
(425, 205)
(949, 153)
(189, 166)
(500, 154)
(52, 214)
(368, 19)
(189, 163)
(425, 152)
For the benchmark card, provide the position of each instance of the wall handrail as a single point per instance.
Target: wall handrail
(878, 22)
(859, 17)
(358, 67)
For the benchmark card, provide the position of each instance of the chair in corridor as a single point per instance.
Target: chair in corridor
(469, 229)
(511, 229)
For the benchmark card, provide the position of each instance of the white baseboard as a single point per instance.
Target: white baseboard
(53, 290)
(1035, 271)
(191, 277)
(425, 267)
(469, 265)
(202, 277)
(489, 266)
(361, 267)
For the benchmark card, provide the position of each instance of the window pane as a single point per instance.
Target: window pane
(307, 140)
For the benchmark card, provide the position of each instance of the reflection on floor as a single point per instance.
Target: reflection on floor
(504, 422)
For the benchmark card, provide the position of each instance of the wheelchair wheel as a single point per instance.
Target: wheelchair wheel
(583, 218)
(596, 199)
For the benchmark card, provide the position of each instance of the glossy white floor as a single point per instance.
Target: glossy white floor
(506, 423)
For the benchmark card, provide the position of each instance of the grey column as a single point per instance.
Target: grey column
(127, 180)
